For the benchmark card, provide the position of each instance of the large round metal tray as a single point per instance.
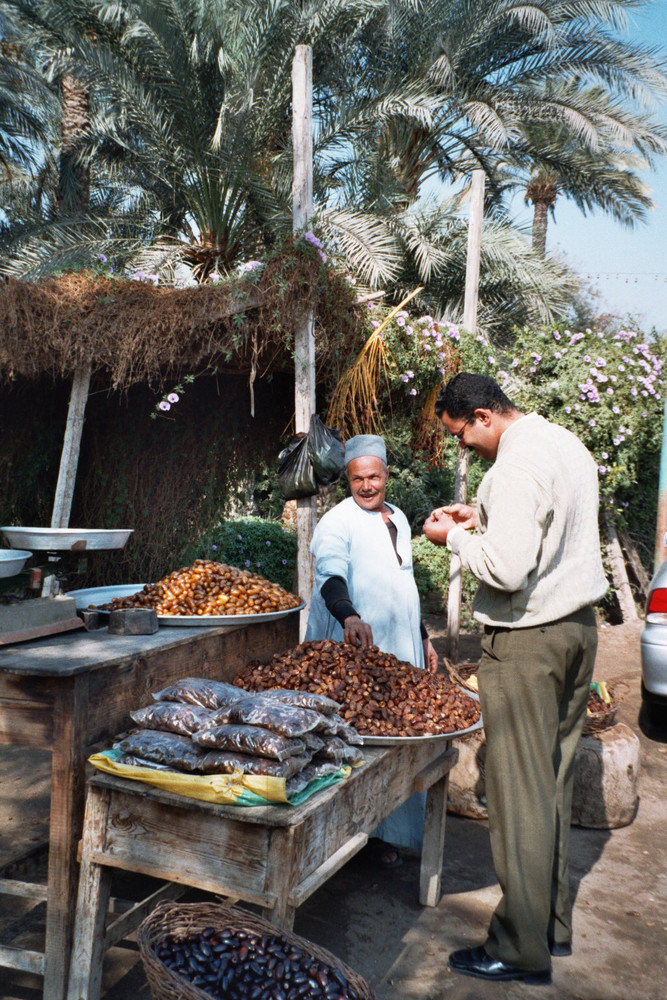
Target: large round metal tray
(388, 741)
(102, 595)
(12, 561)
(66, 539)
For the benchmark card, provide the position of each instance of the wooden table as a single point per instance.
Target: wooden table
(273, 856)
(68, 692)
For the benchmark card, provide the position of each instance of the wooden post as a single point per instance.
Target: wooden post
(660, 551)
(470, 324)
(304, 334)
(619, 573)
(69, 460)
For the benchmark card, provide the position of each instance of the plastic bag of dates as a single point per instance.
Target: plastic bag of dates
(381, 695)
(198, 951)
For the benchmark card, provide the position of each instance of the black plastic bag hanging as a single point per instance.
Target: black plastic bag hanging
(326, 451)
(296, 476)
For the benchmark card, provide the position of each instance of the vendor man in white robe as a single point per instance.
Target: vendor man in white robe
(365, 590)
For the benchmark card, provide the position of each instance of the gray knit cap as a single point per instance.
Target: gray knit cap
(364, 446)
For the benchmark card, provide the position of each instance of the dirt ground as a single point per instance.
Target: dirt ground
(372, 919)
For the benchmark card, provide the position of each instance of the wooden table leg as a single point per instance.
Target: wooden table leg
(85, 978)
(433, 847)
(67, 803)
(281, 865)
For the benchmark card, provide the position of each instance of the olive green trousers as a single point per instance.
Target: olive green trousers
(534, 685)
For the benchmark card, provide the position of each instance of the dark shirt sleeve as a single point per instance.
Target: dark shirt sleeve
(422, 629)
(336, 596)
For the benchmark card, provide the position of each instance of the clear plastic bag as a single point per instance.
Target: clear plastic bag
(287, 720)
(336, 749)
(225, 761)
(303, 699)
(251, 740)
(201, 691)
(321, 769)
(172, 717)
(175, 751)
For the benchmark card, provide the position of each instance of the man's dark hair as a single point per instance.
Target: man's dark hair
(467, 392)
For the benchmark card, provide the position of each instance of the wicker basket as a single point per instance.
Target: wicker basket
(603, 717)
(181, 919)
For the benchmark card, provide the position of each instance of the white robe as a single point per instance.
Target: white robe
(355, 544)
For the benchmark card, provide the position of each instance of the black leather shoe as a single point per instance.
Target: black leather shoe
(475, 962)
(560, 949)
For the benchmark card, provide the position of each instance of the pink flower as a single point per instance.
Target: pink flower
(164, 405)
(173, 397)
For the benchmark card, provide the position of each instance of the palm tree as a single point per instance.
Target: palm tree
(189, 142)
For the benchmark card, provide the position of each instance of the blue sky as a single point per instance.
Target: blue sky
(627, 266)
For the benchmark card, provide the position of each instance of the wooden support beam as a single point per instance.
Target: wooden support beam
(304, 334)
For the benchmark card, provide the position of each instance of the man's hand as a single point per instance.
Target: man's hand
(354, 630)
(437, 527)
(462, 513)
(430, 657)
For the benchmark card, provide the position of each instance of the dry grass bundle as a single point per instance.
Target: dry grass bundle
(135, 332)
(354, 403)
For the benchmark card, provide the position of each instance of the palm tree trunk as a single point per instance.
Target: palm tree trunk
(74, 182)
(540, 219)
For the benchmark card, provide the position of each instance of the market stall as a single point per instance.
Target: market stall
(68, 692)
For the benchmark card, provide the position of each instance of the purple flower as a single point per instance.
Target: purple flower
(371, 305)
(404, 378)
(400, 321)
(313, 240)
(173, 397)
(323, 256)
(251, 265)
(591, 423)
(215, 548)
(375, 323)
(247, 562)
(102, 259)
(556, 335)
(268, 542)
(240, 538)
(284, 562)
(568, 409)
(413, 392)
(601, 363)
(164, 405)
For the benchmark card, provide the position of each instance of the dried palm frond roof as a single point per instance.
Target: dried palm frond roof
(138, 332)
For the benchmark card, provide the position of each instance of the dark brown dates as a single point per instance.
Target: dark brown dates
(242, 965)
(381, 695)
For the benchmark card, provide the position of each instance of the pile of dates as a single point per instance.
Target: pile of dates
(209, 588)
(381, 695)
(244, 965)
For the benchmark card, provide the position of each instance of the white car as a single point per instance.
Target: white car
(654, 649)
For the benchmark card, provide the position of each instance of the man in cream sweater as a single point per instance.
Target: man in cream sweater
(536, 554)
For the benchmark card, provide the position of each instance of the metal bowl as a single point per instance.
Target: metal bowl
(12, 561)
(67, 539)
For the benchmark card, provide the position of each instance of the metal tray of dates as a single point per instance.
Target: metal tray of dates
(93, 597)
(211, 620)
(387, 741)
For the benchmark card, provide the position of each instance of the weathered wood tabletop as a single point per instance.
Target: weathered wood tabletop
(69, 692)
(274, 856)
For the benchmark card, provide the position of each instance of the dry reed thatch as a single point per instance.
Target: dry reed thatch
(136, 332)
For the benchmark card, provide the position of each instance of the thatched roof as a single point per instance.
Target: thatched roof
(137, 332)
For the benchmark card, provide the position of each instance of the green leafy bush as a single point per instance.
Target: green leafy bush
(263, 547)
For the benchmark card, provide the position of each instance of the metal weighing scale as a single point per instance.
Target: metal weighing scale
(34, 617)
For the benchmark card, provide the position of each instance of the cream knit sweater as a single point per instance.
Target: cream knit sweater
(537, 551)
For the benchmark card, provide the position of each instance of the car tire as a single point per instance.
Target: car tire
(655, 712)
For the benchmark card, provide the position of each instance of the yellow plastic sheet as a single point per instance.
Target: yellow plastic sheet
(227, 789)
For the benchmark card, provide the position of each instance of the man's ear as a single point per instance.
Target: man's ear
(483, 416)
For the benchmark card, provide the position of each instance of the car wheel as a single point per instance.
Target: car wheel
(656, 712)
